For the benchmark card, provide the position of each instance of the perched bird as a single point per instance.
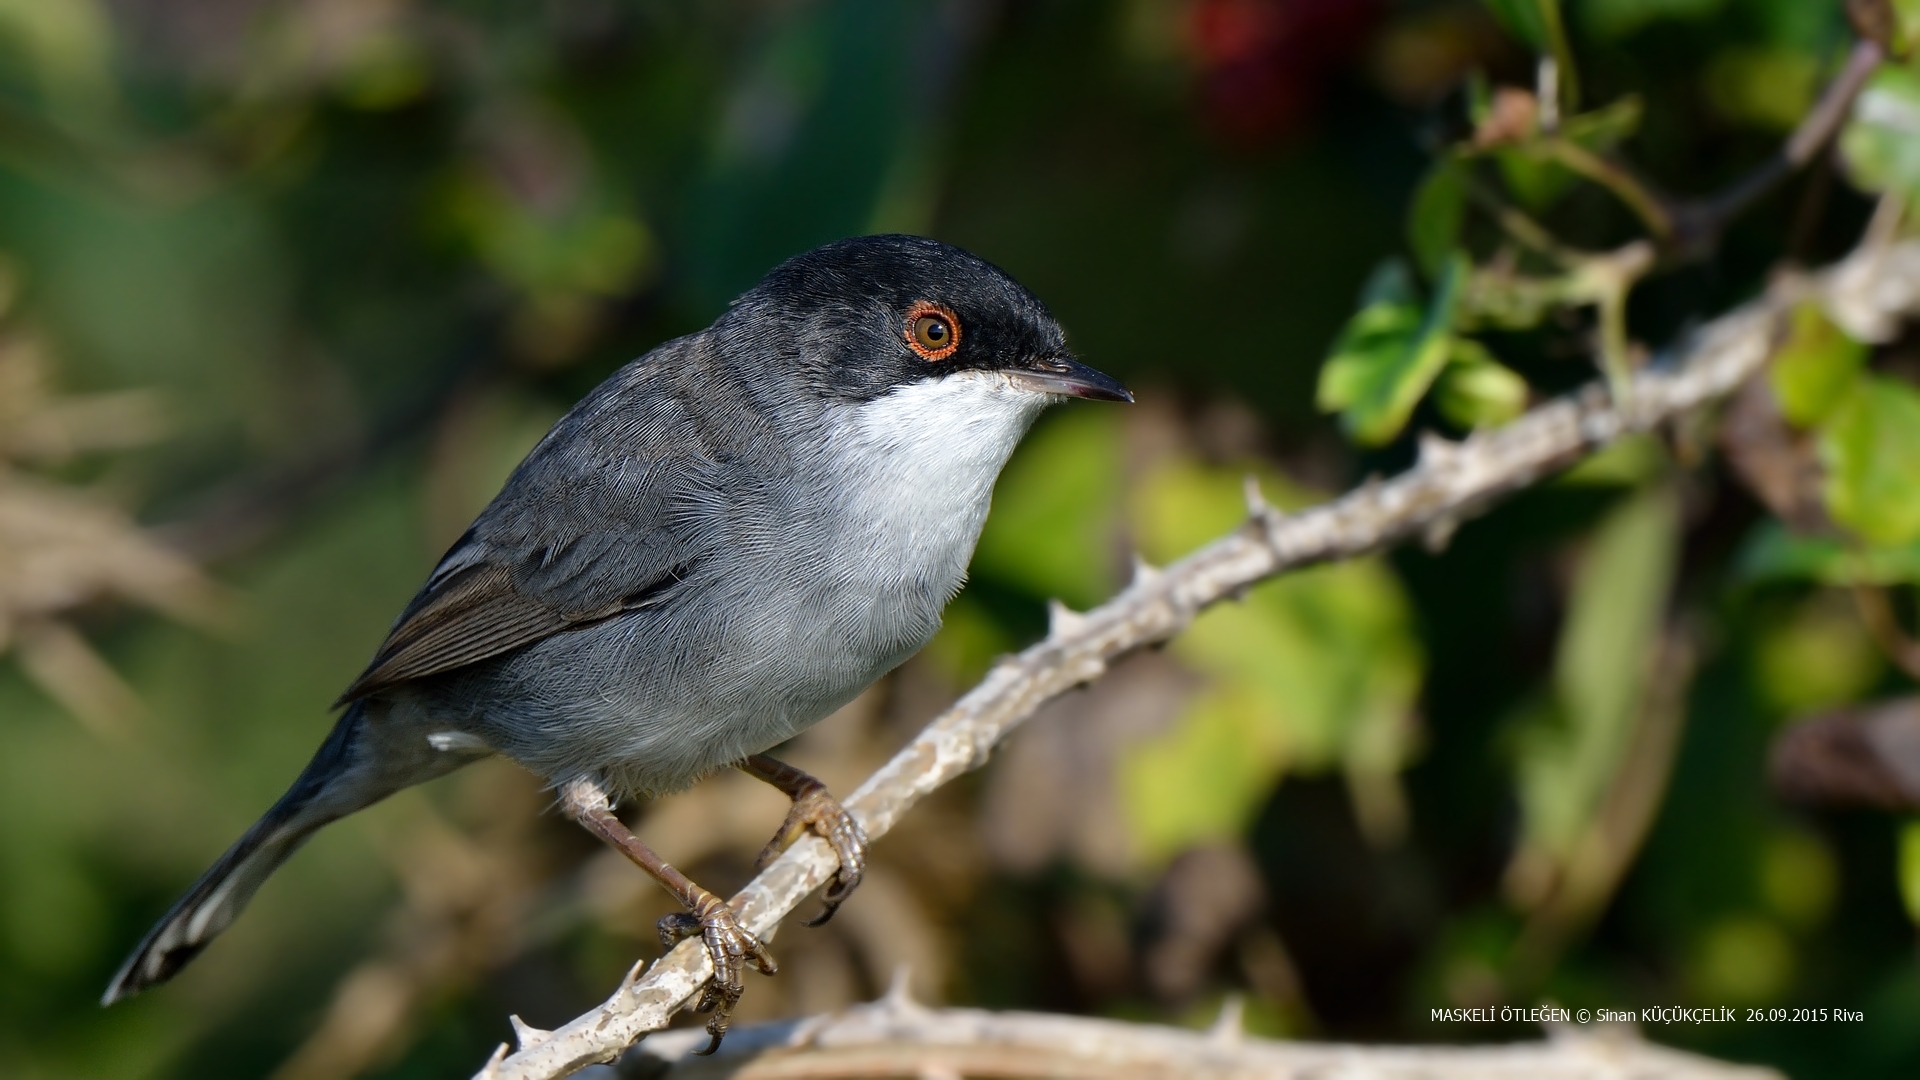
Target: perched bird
(724, 542)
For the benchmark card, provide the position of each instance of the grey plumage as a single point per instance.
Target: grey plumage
(721, 544)
(722, 649)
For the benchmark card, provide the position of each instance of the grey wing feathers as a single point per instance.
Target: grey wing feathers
(582, 532)
(472, 615)
(481, 611)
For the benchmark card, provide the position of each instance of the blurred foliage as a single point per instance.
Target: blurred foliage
(290, 286)
(1390, 354)
(1878, 146)
(1569, 753)
(1312, 672)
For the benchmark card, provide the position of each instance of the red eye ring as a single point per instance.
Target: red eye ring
(932, 331)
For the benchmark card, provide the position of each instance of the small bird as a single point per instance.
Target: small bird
(724, 542)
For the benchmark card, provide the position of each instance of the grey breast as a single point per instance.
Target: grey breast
(755, 611)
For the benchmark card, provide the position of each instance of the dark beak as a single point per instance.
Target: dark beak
(1065, 375)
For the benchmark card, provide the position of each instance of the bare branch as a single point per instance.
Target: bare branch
(1698, 225)
(1448, 486)
(896, 1037)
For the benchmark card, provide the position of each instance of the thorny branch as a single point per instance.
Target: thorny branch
(1868, 293)
(897, 1036)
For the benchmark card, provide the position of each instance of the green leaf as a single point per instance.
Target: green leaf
(1615, 611)
(1629, 462)
(1816, 657)
(1909, 869)
(1880, 145)
(1815, 367)
(1771, 87)
(1534, 181)
(1373, 341)
(1870, 447)
(1906, 25)
(1745, 959)
(1775, 553)
(1439, 208)
(1610, 20)
(1391, 282)
(1476, 390)
(1204, 779)
(1387, 357)
(1479, 97)
(1798, 877)
(1571, 747)
(1607, 126)
(1523, 19)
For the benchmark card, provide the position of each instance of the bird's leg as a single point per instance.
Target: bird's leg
(730, 945)
(813, 809)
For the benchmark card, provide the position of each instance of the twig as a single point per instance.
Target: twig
(1524, 229)
(1608, 279)
(1697, 225)
(1654, 210)
(897, 1037)
(1690, 228)
(1451, 481)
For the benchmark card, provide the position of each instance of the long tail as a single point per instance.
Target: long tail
(329, 788)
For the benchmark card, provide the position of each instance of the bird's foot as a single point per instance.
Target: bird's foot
(730, 946)
(815, 810)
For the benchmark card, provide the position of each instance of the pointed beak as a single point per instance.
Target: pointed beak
(1065, 375)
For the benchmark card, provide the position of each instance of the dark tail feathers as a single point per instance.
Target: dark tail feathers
(213, 902)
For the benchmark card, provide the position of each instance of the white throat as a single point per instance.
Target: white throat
(920, 464)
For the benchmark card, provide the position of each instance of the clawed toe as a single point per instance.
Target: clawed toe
(731, 947)
(677, 927)
(813, 810)
(820, 813)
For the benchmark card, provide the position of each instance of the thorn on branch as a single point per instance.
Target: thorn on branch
(1436, 451)
(1257, 506)
(1438, 535)
(1230, 1026)
(899, 996)
(1063, 621)
(633, 976)
(1144, 572)
(526, 1034)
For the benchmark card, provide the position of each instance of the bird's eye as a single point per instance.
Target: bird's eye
(932, 331)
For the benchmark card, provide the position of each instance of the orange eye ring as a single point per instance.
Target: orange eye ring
(932, 331)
